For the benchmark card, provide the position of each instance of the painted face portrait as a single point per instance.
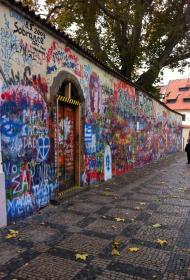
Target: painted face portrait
(94, 90)
(24, 124)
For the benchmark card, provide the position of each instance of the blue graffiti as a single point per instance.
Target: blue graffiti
(51, 69)
(9, 45)
(108, 163)
(20, 207)
(11, 129)
(43, 147)
(43, 193)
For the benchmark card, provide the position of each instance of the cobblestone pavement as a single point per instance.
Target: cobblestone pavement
(157, 194)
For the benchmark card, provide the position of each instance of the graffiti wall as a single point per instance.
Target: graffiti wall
(118, 118)
(24, 118)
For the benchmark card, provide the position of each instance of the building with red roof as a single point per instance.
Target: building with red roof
(176, 95)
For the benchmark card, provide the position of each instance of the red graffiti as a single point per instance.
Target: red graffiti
(50, 52)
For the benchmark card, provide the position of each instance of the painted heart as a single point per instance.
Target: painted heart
(43, 147)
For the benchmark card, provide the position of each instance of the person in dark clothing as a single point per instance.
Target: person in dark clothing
(187, 150)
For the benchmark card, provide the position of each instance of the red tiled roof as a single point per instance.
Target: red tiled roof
(173, 92)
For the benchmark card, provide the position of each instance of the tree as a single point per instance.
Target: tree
(32, 4)
(136, 37)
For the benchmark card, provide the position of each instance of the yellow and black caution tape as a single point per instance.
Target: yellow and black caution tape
(64, 193)
(68, 100)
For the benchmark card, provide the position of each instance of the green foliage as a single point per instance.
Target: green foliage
(128, 35)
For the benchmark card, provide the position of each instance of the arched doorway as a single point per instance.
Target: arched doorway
(67, 99)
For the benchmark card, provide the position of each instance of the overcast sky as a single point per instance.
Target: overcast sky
(172, 75)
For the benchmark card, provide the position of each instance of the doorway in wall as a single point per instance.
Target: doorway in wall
(68, 137)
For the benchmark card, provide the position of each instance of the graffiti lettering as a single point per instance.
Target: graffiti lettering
(37, 38)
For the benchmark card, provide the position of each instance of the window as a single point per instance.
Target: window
(186, 100)
(184, 88)
(171, 101)
(183, 117)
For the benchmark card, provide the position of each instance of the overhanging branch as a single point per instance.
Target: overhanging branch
(109, 13)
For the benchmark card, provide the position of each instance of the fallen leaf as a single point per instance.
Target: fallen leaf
(107, 193)
(9, 236)
(119, 219)
(12, 231)
(142, 203)
(133, 249)
(12, 234)
(137, 208)
(104, 217)
(116, 242)
(114, 227)
(183, 189)
(161, 242)
(81, 256)
(19, 251)
(156, 225)
(115, 252)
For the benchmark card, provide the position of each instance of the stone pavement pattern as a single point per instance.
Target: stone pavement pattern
(158, 193)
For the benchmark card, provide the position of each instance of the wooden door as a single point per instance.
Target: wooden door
(66, 146)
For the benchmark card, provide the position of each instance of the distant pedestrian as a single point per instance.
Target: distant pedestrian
(187, 150)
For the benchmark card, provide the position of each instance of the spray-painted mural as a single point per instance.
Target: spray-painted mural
(136, 128)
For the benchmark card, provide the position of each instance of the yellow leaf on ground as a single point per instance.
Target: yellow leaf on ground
(156, 225)
(161, 242)
(114, 227)
(106, 193)
(9, 236)
(12, 231)
(133, 249)
(137, 208)
(12, 234)
(142, 203)
(119, 219)
(81, 256)
(115, 252)
(19, 251)
(116, 243)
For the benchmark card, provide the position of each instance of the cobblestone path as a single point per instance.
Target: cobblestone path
(157, 194)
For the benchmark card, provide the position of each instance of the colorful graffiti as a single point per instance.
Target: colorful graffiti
(36, 139)
(66, 140)
(25, 150)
